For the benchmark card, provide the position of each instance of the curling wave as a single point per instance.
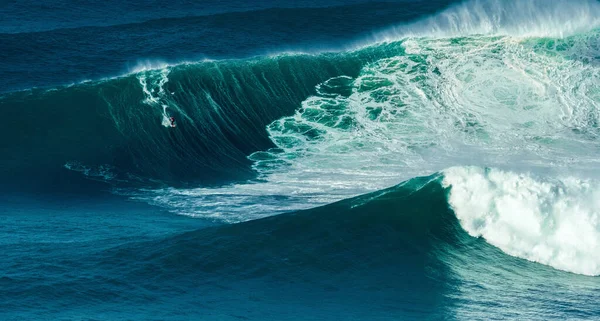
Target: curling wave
(554, 221)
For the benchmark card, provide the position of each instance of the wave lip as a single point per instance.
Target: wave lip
(551, 221)
(518, 18)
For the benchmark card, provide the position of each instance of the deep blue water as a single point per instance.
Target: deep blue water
(332, 160)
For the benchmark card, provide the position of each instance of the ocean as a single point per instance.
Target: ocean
(329, 160)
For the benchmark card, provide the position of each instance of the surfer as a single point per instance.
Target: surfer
(172, 120)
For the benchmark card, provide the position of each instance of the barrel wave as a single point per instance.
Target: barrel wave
(487, 113)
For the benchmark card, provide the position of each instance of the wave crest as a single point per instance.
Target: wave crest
(551, 221)
(518, 18)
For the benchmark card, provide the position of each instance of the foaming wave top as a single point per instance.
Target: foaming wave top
(519, 18)
(550, 221)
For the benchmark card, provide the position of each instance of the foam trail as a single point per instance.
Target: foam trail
(550, 221)
(146, 65)
(153, 85)
(517, 18)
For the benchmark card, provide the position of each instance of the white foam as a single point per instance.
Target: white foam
(103, 173)
(554, 221)
(486, 100)
(231, 204)
(152, 83)
(516, 18)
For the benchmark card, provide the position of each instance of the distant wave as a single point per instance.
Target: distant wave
(54, 17)
(221, 17)
(99, 52)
